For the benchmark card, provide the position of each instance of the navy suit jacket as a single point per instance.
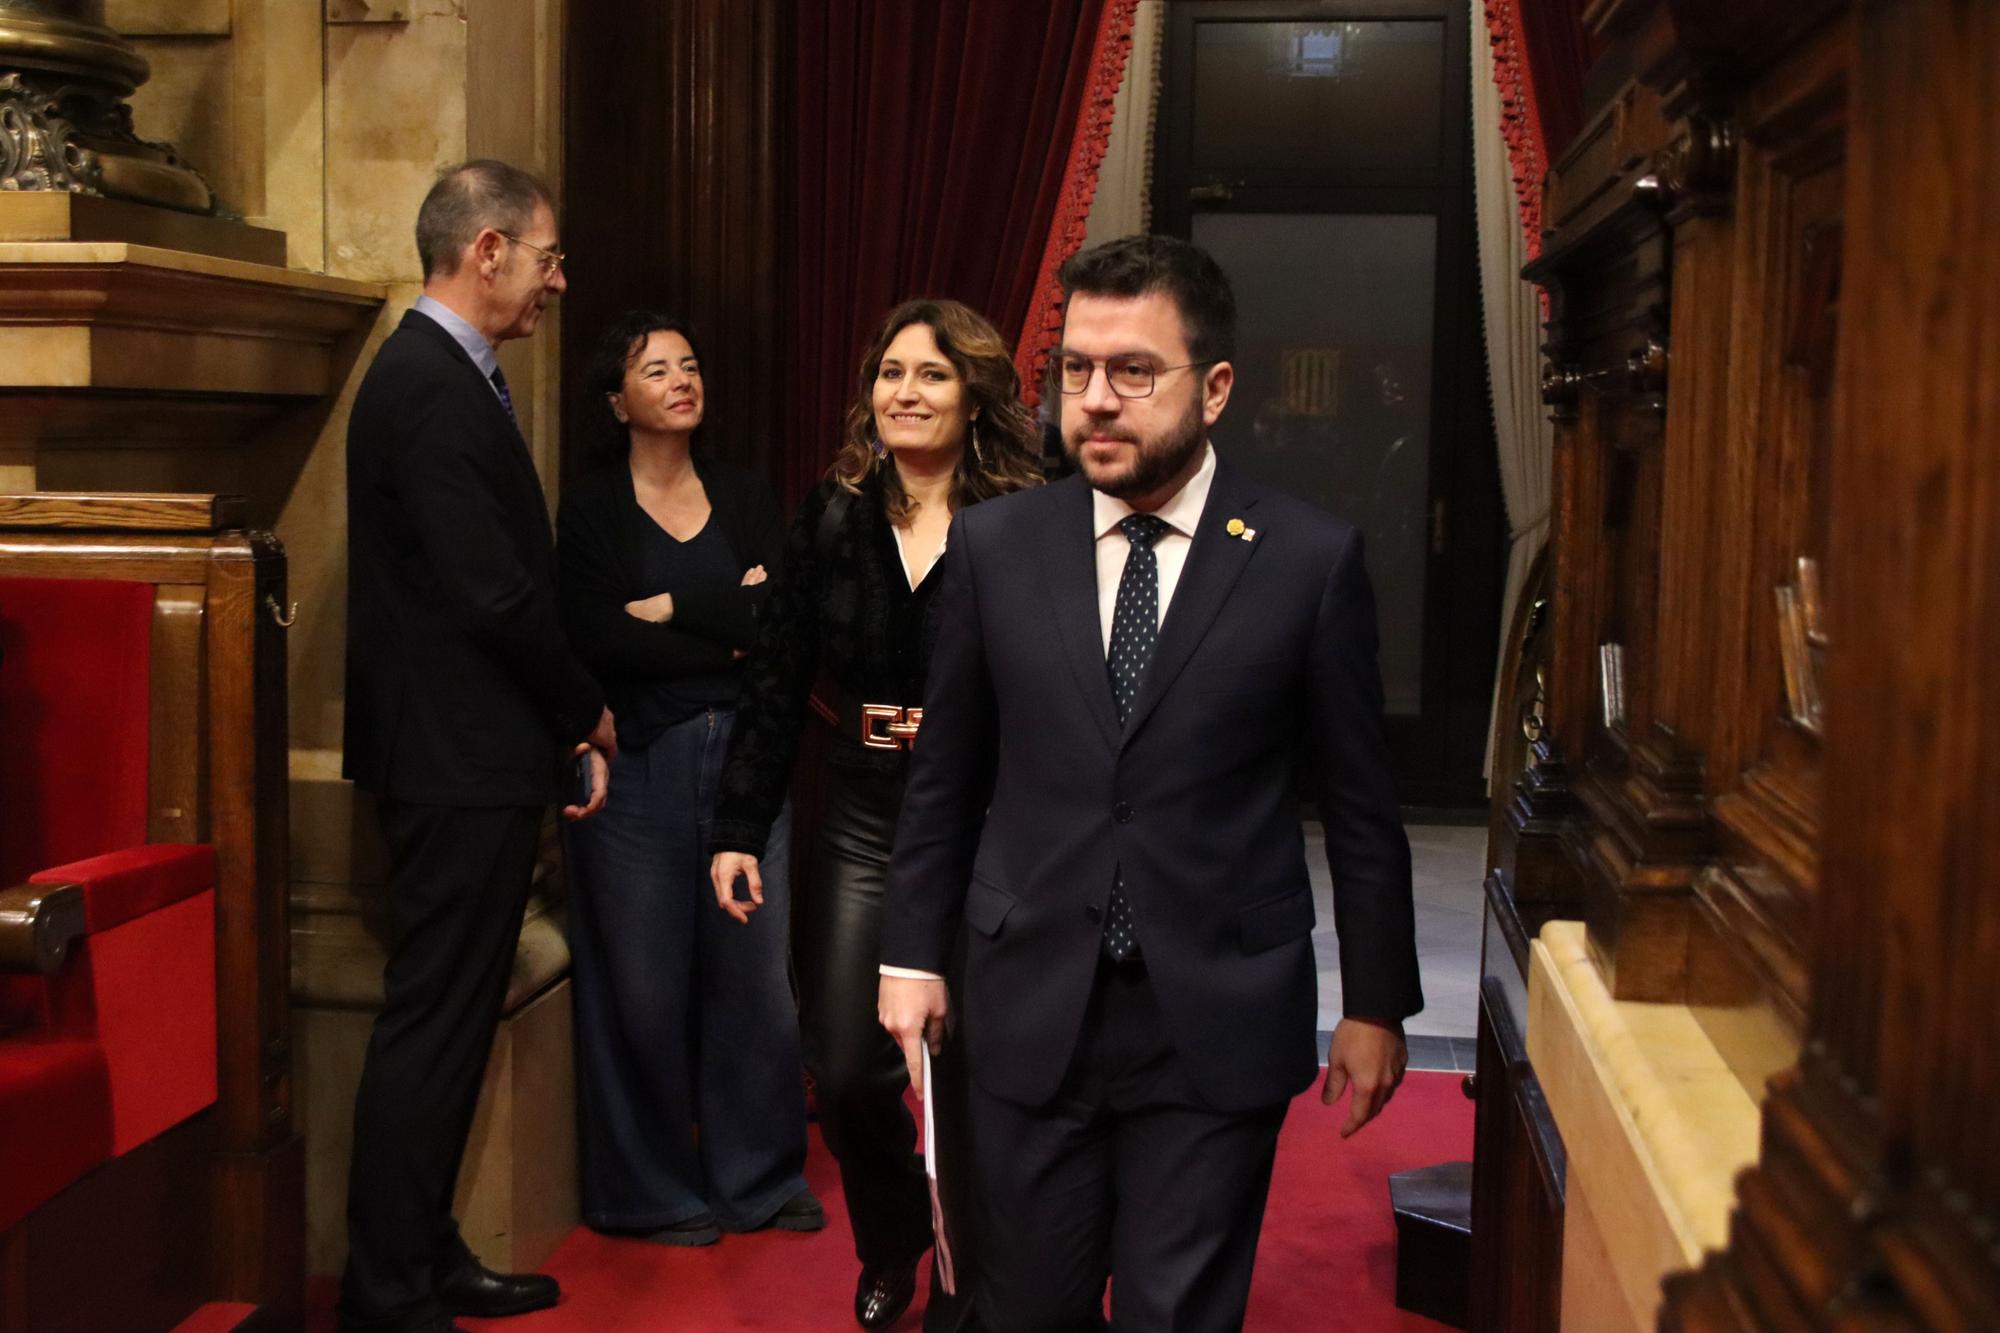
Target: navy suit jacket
(461, 689)
(1025, 794)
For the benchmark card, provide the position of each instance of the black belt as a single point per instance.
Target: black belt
(875, 726)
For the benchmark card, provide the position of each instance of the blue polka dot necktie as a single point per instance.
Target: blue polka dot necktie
(1135, 631)
(506, 399)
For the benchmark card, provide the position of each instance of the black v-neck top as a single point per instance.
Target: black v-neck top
(852, 615)
(610, 551)
(701, 566)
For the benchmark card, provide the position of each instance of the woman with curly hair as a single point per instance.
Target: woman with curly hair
(938, 424)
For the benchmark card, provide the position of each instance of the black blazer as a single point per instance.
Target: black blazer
(600, 532)
(1264, 683)
(461, 689)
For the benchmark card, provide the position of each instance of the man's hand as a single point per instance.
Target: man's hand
(658, 608)
(600, 783)
(1368, 1056)
(754, 576)
(723, 869)
(603, 737)
(913, 1009)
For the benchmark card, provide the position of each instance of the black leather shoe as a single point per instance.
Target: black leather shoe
(884, 1292)
(477, 1292)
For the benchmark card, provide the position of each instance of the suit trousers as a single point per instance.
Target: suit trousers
(684, 1017)
(458, 886)
(1125, 1174)
(858, 1072)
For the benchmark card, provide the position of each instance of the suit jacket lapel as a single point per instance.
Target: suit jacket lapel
(517, 444)
(1214, 563)
(1069, 559)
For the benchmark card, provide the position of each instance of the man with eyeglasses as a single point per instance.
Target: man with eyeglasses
(465, 707)
(1136, 672)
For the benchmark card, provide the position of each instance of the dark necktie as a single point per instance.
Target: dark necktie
(506, 399)
(1135, 631)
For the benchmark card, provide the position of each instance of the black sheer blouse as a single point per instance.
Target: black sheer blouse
(852, 615)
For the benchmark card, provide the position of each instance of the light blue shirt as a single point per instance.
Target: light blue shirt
(471, 339)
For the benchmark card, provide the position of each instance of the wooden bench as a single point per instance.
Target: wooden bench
(143, 945)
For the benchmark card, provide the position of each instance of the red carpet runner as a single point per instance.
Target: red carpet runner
(1327, 1262)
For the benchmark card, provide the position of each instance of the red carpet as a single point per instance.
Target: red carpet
(1327, 1261)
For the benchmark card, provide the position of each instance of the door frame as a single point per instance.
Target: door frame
(1439, 754)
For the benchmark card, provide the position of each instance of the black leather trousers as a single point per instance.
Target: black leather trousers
(857, 1068)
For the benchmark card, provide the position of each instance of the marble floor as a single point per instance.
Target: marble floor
(1446, 875)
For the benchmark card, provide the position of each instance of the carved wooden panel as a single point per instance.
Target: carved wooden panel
(1828, 791)
(1611, 273)
(1751, 934)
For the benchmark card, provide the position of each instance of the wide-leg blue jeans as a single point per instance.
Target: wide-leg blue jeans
(689, 1093)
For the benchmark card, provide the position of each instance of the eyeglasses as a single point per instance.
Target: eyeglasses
(1128, 376)
(550, 261)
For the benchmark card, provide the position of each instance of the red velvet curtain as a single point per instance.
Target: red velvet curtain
(932, 138)
(1559, 55)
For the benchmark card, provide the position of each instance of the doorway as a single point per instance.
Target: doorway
(1320, 150)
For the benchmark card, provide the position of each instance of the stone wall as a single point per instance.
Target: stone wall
(331, 129)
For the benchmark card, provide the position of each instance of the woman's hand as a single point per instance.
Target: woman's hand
(723, 870)
(659, 608)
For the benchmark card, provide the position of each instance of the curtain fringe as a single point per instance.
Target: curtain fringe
(1520, 117)
(1108, 56)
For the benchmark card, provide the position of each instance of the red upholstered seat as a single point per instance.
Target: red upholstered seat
(143, 983)
(55, 1118)
(118, 1045)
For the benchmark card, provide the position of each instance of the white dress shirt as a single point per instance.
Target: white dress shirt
(1182, 514)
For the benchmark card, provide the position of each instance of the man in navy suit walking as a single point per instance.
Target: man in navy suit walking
(1137, 672)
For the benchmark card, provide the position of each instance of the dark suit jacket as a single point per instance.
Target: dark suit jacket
(461, 689)
(1264, 682)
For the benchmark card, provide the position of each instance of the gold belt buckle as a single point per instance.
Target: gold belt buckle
(887, 727)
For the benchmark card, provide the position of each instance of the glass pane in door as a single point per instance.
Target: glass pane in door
(1325, 96)
(1333, 381)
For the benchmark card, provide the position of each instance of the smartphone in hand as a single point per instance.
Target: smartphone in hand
(579, 783)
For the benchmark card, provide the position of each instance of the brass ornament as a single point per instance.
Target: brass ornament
(64, 123)
(1535, 719)
(1802, 647)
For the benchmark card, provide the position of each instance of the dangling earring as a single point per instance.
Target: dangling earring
(875, 445)
(978, 454)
